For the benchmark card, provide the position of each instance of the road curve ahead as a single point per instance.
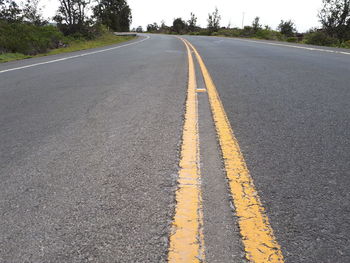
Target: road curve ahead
(200, 149)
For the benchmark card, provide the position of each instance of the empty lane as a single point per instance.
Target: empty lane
(289, 109)
(89, 154)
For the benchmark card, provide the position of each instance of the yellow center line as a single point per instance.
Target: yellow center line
(186, 239)
(257, 235)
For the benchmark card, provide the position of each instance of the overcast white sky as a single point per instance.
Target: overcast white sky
(302, 12)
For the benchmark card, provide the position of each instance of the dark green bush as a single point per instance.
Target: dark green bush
(28, 39)
(82, 32)
(247, 31)
(204, 32)
(268, 34)
(229, 32)
(292, 39)
(225, 32)
(320, 38)
(346, 44)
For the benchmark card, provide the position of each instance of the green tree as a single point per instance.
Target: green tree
(115, 14)
(179, 26)
(139, 29)
(192, 23)
(256, 24)
(10, 11)
(71, 16)
(164, 28)
(335, 18)
(287, 28)
(32, 13)
(152, 27)
(214, 21)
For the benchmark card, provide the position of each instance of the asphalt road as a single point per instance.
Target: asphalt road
(90, 148)
(290, 111)
(89, 155)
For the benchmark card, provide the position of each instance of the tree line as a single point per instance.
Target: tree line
(23, 28)
(334, 17)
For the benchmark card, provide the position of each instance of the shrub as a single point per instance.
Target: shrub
(292, 39)
(320, 38)
(27, 38)
(247, 31)
(269, 34)
(345, 44)
(84, 31)
(229, 32)
(225, 32)
(204, 32)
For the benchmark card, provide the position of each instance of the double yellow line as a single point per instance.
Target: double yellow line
(187, 240)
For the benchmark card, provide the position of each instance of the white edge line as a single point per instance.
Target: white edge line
(76, 56)
(293, 46)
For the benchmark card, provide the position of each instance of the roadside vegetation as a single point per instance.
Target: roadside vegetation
(71, 46)
(334, 18)
(24, 32)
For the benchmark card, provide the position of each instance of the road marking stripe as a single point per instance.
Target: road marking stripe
(76, 56)
(186, 239)
(258, 238)
(294, 46)
(201, 90)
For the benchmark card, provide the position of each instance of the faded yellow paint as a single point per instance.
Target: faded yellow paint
(257, 235)
(186, 239)
(201, 90)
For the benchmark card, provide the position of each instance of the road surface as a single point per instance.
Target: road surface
(92, 145)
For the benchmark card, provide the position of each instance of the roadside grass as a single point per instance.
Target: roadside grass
(6, 57)
(73, 45)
